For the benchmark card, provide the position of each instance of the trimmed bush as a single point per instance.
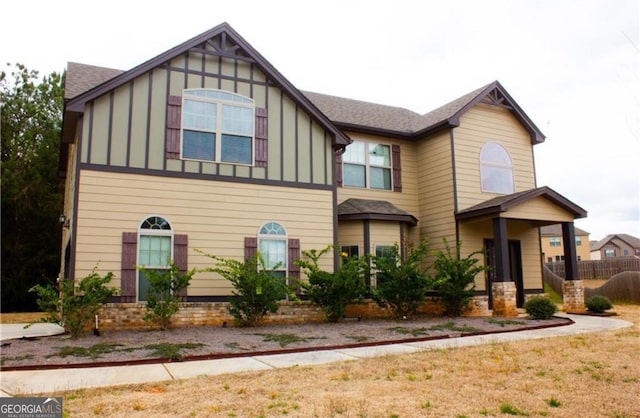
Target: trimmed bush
(540, 307)
(598, 304)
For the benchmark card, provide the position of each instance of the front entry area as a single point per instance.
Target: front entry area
(515, 268)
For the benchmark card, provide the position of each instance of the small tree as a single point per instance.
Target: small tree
(334, 291)
(455, 278)
(256, 290)
(163, 299)
(78, 302)
(402, 283)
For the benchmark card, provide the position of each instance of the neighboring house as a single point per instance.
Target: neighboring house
(209, 147)
(615, 245)
(553, 244)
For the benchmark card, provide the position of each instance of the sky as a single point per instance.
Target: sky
(573, 66)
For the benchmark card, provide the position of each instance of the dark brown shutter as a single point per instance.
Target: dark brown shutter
(180, 257)
(128, 271)
(294, 254)
(174, 120)
(397, 169)
(339, 169)
(250, 247)
(261, 137)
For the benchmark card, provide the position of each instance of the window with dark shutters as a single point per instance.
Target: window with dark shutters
(339, 169)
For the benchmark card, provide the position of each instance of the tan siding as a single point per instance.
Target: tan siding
(538, 208)
(275, 129)
(481, 124)
(157, 127)
(111, 203)
(304, 148)
(119, 134)
(288, 140)
(582, 251)
(99, 134)
(384, 233)
(351, 233)
(436, 191)
(319, 149)
(139, 111)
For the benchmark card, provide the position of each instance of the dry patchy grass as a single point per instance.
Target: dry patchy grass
(590, 375)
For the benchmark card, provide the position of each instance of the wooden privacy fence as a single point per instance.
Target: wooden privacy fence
(598, 269)
(622, 287)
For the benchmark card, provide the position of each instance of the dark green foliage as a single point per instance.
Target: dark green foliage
(334, 291)
(163, 300)
(540, 307)
(77, 304)
(256, 290)
(402, 283)
(455, 278)
(598, 304)
(31, 118)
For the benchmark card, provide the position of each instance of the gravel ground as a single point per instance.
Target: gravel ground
(145, 345)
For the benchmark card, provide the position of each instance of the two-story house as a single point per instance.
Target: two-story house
(615, 245)
(553, 247)
(209, 147)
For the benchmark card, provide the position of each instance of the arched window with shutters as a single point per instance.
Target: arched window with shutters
(496, 169)
(155, 249)
(272, 242)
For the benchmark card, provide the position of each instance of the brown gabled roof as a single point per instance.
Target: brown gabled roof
(503, 203)
(399, 122)
(240, 49)
(82, 77)
(630, 240)
(556, 231)
(353, 209)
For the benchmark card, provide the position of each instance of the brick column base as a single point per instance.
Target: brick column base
(504, 299)
(573, 296)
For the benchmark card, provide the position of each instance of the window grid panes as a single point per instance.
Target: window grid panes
(367, 166)
(496, 169)
(155, 250)
(555, 241)
(217, 126)
(273, 245)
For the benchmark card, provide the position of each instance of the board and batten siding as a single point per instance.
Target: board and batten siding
(436, 191)
(215, 215)
(486, 123)
(473, 234)
(126, 128)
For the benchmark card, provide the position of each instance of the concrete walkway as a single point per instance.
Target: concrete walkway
(54, 381)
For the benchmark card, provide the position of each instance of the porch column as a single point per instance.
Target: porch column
(503, 289)
(572, 287)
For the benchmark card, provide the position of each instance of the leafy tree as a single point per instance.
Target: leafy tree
(30, 124)
(333, 291)
(256, 290)
(402, 283)
(78, 302)
(163, 300)
(455, 278)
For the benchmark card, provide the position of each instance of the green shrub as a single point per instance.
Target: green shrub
(77, 304)
(402, 284)
(455, 278)
(540, 307)
(598, 304)
(334, 291)
(256, 290)
(163, 300)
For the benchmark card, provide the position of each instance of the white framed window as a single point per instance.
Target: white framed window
(609, 252)
(272, 243)
(217, 126)
(555, 242)
(367, 165)
(496, 169)
(155, 249)
(578, 240)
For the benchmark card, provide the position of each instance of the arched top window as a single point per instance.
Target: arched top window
(155, 222)
(496, 169)
(272, 242)
(217, 126)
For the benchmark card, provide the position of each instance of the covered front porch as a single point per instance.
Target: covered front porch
(507, 227)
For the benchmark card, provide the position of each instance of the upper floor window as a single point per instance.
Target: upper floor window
(217, 126)
(272, 242)
(367, 165)
(555, 241)
(578, 240)
(496, 169)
